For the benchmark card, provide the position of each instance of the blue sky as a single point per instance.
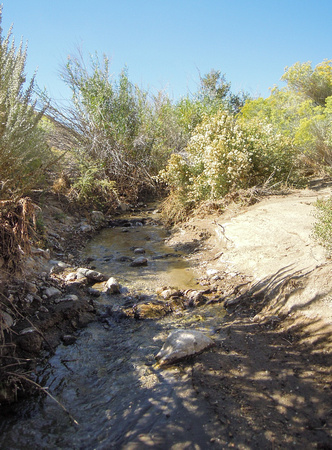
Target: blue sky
(167, 43)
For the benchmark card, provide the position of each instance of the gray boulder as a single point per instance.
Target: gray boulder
(183, 343)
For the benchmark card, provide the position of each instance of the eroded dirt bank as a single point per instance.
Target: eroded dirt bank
(270, 381)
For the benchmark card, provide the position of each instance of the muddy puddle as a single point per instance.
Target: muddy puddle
(114, 249)
(114, 393)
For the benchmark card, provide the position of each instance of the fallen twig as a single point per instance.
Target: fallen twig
(46, 392)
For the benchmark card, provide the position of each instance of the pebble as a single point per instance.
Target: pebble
(67, 298)
(69, 339)
(52, 292)
(141, 261)
(139, 251)
(91, 274)
(94, 292)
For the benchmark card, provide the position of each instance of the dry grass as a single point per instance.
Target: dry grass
(16, 220)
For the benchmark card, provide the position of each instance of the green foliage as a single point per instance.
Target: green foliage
(23, 150)
(114, 107)
(116, 124)
(92, 186)
(215, 94)
(226, 153)
(163, 134)
(302, 111)
(315, 84)
(323, 226)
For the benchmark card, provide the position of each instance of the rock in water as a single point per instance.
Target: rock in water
(182, 343)
(140, 261)
(139, 251)
(112, 286)
(92, 275)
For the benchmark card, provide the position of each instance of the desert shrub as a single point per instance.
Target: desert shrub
(23, 150)
(323, 225)
(106, 124)
(302, 111)
(225, 154)
(315, 84)
(161, 133)
(91, 186)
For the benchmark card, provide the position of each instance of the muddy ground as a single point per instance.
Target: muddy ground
(269, 383)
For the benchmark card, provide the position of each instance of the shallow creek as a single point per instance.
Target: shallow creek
(108, 380)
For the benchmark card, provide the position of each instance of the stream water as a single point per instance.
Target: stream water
(109, 382)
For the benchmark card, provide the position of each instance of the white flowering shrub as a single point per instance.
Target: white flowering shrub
(225, 154)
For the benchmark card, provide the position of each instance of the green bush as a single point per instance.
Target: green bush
(109, 122)
(302, 111)
(23, 150)
(92, 187)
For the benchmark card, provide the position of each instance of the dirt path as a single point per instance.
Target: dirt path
(270, 381)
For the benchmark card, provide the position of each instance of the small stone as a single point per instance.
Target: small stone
(31, 342)
(194, 297)
(71, 276)
(124, 206)
(67, 298)
(97, 218)
(27, 330)
(139, 251)
(112, 286)
(56, 270)
(85, 228)
(211, 272)
(40, 252)
(94, 292)
(6, 320)
(63, 265)
(92, 275)
(166, 294)
(52, 292)
(140, 261)
(31, 287)
(29, 298)
(69, 339)
(123, 259)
